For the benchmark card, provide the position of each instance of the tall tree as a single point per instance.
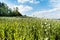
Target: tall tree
(3, 9)
(16, 12)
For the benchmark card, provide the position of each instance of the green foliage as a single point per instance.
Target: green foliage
(16, 12)
(5, 11)
(29, 29)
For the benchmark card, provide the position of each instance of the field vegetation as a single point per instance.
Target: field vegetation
(16, 28)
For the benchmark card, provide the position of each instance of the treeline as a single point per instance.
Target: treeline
(6, 11)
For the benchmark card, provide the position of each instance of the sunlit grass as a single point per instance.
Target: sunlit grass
(16, 28)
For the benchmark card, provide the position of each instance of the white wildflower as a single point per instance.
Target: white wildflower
(45, 29)
(45, 23)
(46, 38)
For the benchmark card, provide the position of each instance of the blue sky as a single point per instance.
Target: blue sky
(36, 8)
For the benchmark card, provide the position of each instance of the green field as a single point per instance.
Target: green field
(16, 28)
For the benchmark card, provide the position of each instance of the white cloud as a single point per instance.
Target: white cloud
(55, 3)
(22, 9)
(52, 13)
(22, 1)
(30, 1)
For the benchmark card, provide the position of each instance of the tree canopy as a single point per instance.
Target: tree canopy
(6, 11)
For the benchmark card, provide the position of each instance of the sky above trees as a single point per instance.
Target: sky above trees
(38, 8)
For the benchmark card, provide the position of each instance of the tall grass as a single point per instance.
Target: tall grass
(29, 29)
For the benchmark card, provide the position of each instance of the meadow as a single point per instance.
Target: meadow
(16, 28)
